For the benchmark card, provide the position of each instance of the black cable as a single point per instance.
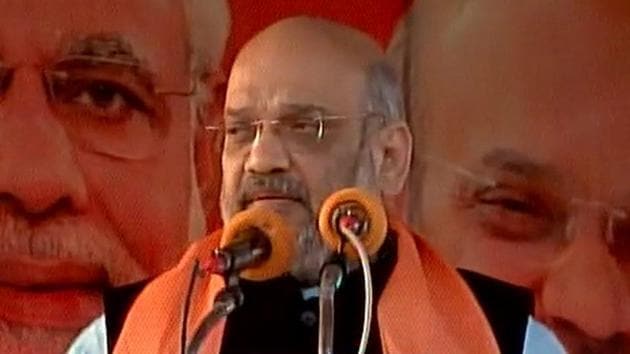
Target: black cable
(186, 308)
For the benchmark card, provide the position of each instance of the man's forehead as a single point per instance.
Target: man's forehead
(531, 70)
(531, 17)
(271, 87)
(44, 29)
(33, 5)
(576, 174)
(538, 42)
(73, 12)
(255, 100)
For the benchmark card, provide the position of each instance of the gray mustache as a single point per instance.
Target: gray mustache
(279, 185)
(68, 239)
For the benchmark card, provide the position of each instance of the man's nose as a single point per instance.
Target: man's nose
(38, 167)
(585, 286)
(268, 153)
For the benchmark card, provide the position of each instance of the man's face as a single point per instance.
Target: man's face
(526, 161)
(94, 165)
(285, 168)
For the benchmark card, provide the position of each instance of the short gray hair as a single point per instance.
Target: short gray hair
(208, 24)
(384, 92)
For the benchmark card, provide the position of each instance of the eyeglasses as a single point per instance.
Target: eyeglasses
(107, 106)
(298, 131)
(537, 221)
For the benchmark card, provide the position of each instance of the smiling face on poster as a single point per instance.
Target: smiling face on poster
(525, 155)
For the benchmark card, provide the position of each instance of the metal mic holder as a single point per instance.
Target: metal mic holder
(226, 301)
(331, 277)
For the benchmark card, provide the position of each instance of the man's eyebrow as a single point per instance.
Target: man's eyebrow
(111, 48)
(517, 163)
(238, 112)
(285, 108)
(304, 108)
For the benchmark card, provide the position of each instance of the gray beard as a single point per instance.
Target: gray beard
(312, 253)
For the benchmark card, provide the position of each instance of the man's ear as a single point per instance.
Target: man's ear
(394, 144)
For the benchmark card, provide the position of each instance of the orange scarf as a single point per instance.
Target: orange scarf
(425, 307)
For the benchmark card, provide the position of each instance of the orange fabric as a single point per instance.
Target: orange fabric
(425, 307)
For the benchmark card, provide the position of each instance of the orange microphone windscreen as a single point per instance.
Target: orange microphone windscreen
(357, 201)
(281, 236)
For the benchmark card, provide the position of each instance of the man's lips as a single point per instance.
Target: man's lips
(64, 309)
(271, 197)
(28, 272)
(49, 293)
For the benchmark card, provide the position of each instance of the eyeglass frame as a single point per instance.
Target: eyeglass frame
(51, 76)
(612, 212)
(321, 119)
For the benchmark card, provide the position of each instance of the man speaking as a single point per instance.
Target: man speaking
(312, 109)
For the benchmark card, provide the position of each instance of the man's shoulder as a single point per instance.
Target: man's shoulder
(92, 339)
(200, 249)
(176, 279)
(506, 306)
(158, 307)
(117, 303)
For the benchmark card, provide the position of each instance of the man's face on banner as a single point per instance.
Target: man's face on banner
(527, 159)
(95, 163)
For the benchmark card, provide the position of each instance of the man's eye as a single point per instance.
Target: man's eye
(6, 76)
(510, 202)
(99, 97)
(620, 242)
(514, 215)
(302, 126)
(240, 132)
(237, 128)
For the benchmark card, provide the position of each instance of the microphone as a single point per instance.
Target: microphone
(358, 211)
(350, 220)
(256, 243)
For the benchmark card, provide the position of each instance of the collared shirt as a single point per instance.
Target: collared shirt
(92, 339)
(540, 339)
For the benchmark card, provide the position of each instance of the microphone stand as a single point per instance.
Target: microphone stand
(226, 301)
(330, 279)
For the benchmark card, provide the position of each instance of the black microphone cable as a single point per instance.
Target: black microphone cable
(226, 301)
